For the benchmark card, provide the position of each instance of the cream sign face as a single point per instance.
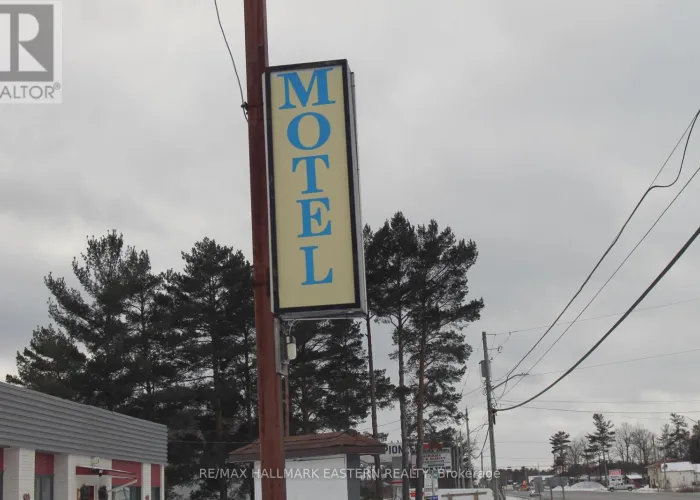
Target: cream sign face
(316, 239)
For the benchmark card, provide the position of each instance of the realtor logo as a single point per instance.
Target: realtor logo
(30, 52)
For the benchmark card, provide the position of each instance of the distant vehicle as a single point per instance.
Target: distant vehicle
(620, 485)
(533, 493)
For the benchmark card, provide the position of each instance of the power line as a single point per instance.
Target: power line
(244, 104)
(609, 364)
(611, 402)
(572, 410)
(640, 309)
(614, 273)
(380, 425)
(464, 386)
(622, 361)
(480, 428)
(520, 442)
(486, 438)
(653, 186)
(687, 351)
(473, 390)
(646, 292)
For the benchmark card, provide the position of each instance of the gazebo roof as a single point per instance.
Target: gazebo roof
(314, 445)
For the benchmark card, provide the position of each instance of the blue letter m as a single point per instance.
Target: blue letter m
(318, 77)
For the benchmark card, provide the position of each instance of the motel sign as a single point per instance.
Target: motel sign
(317, 257)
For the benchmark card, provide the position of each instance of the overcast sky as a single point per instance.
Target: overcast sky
(529, 127)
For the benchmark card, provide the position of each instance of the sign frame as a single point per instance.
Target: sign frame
(358, 307)
(446, 456)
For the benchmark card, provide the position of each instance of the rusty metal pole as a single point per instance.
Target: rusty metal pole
(272, 460)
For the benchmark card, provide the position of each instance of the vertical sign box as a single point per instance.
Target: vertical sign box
(317, 255)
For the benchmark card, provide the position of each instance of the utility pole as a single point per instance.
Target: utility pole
(456, 461)
(482, 466)
(469, 448)
(272, 460)
(489, 408)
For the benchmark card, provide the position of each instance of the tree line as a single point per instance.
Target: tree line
(630, 448)
(178, 347)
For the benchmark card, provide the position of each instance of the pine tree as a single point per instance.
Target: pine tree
(111, 346)
(694, 444)
(393, 250)
(328, 380)
(97, 323)
(678, 438)
(665, 442)
(176, 348)
(590, 452)
(373, 285)
(603, 438)
(560, 445)
(439, 313)
(154, 367)
(52, 364)
(212, 323)
(349, 380)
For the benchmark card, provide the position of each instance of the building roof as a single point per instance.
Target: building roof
(633, 476)
(314, 445)
(657, 465)
(673, 466)
(34, 420)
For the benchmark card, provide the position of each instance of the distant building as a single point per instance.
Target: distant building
(530, 479)
(635, 479)
(672, 475)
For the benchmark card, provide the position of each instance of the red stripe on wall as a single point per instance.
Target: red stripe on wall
(43, 464)
(133, 467)
(2, 459)
(155, 475)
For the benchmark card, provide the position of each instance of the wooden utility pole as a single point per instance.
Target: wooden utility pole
(378, 485)
(482, 467)
(469, 449)
(489, 409)
(272, 460)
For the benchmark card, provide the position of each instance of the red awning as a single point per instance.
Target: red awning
(96, 471)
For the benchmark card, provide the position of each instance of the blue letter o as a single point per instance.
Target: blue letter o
(324, 131)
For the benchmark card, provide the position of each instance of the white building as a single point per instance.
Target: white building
(53, 449)
(672, 475)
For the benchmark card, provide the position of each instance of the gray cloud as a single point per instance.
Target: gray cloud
(531, 128)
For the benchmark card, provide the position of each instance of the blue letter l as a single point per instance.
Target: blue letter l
(310, 275)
